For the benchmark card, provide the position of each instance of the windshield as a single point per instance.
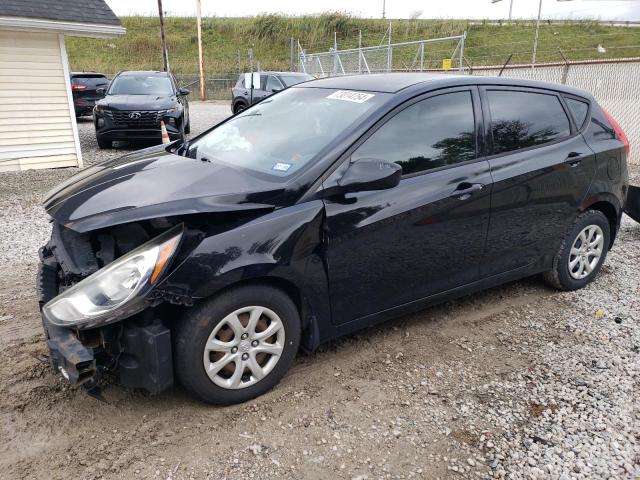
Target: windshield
(283, 133)
(290, 80)
(141, 85)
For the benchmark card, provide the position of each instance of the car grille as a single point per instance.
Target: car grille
(146, 119)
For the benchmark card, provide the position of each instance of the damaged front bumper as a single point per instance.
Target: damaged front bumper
(68, 355)
(137, 350)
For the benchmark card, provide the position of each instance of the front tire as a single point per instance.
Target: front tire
(103, 142)
(237, 345)
(582, 252)
(187, 126)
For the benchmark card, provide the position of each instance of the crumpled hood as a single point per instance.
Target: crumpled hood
(154, 183)
(139, 102)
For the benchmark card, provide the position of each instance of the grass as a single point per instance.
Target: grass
(227, 40)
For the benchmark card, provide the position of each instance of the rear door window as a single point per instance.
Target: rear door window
(579, 110)
(525, 119)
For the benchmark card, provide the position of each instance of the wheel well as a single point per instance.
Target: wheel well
(610, 212)
(292, 291)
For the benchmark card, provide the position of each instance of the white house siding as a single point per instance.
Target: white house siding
(37, 126)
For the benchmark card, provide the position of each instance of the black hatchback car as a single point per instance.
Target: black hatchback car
(134, 105)
(266, 83)
(328, 207)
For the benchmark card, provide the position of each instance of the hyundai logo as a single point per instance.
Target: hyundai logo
(135, 115)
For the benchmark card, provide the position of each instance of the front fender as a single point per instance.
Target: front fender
(285, 244)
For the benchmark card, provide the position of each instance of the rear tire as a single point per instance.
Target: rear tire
(103, 142)
(211, 344)
(239, 107)
(582, 252)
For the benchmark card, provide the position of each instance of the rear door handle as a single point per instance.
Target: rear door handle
(465, 189)
(574, 158)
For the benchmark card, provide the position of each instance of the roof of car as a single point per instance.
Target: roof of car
(395, 82)
(294, 74)
(77, 74)
(143, 72)
(87, 11)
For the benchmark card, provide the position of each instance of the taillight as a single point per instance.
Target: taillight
(77, 88)
(620, 135)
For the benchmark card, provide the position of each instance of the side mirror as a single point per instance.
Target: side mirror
(101, 90)
(370, 174)
(184, 91)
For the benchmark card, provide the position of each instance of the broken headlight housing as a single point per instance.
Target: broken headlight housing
(117, 290)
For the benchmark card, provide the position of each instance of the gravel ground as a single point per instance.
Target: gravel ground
(516, 382)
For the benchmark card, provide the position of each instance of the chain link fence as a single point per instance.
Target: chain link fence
(614, 83)
(406, 56)
(217, 88)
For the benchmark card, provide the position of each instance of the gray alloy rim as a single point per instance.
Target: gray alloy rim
(244, 347)
(586, 252)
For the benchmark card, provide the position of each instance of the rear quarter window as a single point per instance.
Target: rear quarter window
(579, 110)
(522, 119)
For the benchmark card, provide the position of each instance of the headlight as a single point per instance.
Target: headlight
(170, 110)
(117, 290)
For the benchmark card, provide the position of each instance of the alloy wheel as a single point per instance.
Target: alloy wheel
(586, 252)
(244, 347)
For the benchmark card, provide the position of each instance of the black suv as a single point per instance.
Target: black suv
(270, 83)
(134, 105)
(333, 206)
(86, 88)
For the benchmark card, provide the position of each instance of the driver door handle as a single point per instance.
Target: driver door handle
(574, 158)
(464, 190)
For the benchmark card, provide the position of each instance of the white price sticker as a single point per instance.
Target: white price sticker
(350, 96)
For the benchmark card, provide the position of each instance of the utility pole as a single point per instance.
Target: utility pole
(359, 51)
(163, 43)
(510, 7)
(389, 60)
(292, 63)
(384, 9)
(251, 70)
(203, 90)
(335, 53)
(535, 41)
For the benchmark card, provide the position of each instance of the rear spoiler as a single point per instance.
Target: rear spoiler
(632, 207)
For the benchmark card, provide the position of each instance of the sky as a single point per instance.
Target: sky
(620, 10)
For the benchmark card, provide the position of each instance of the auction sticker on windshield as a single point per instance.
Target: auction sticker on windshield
(349, 96)
(281, 166)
